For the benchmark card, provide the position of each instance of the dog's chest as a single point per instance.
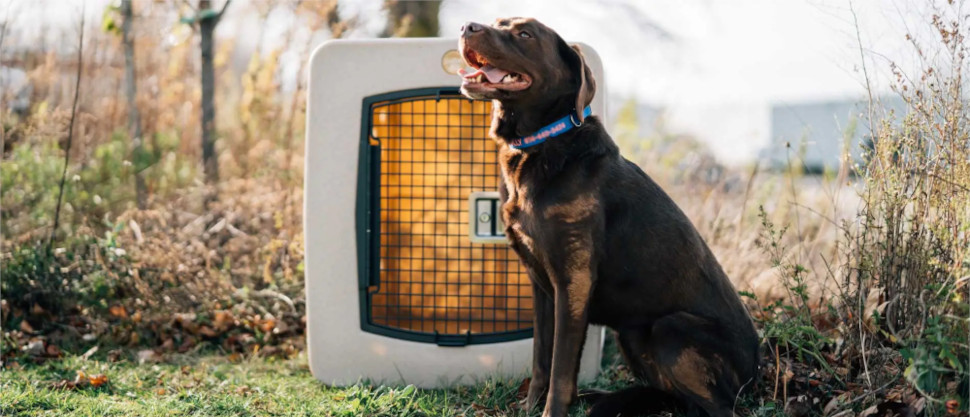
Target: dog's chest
(521, 224)
(516, 216)
(524, 242)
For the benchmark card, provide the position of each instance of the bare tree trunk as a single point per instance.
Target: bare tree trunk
(134, 119)
(207, 26)
(411, 19)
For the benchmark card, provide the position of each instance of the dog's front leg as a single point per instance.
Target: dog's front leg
(543, 332)
(572, 293)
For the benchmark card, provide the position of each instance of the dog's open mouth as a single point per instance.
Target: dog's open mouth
(488, 77)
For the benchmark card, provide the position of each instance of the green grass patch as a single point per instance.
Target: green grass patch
(213, 385)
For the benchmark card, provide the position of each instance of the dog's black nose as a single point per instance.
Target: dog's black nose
(471, 27)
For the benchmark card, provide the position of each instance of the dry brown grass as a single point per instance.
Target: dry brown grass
(166, 275)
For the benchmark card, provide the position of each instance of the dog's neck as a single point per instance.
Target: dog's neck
(545, 160)
(511, 120)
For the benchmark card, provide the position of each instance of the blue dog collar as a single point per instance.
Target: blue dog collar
(550, 131)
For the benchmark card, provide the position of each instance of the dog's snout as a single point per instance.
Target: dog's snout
(470, 28)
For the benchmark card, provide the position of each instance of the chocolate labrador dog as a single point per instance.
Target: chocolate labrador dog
(601, 241)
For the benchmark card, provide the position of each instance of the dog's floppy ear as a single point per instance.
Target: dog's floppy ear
(586, 82)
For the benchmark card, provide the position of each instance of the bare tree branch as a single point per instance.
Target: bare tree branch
(70, 131)
(224, 6)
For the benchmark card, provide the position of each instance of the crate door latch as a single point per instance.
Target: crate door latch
(484, 218)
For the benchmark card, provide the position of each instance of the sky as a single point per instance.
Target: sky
(715, 67)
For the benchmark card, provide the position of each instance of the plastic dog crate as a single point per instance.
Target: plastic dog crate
(409, 276)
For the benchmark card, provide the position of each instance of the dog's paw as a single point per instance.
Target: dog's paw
(533, 401)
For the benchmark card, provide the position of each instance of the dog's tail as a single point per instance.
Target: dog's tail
(632, 401)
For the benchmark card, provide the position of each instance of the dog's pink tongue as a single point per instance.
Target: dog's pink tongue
(494, 75)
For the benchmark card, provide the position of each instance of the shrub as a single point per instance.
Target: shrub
(911, 245)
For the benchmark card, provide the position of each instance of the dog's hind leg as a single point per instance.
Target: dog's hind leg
(687, 363)
(692, 358)
(637, 400)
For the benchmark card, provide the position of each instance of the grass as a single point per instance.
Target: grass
(216, 385)
(209, 385)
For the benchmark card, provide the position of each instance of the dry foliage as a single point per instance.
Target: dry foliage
(174, 276)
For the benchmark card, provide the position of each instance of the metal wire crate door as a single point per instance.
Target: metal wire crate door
(434, 152)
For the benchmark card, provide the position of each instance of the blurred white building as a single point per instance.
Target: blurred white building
(15, 90)
(817, 133)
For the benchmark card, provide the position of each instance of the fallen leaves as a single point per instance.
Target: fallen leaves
(114, 355)
(53, 351)
(118, 311)
(81, 381)
(266, 325)
(38, 349)
(952, 407)
(172, 303)
(237, 329)
(98, 380)
(484, 411)
(26, 327)
(223, 320)
(889, 409)
(148, 356)
(35, 347)
(523, 391)
(208, 331)
(836, 403)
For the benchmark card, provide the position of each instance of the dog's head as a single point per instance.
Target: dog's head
(521, 60)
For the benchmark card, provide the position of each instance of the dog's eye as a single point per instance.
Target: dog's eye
(524, 34)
